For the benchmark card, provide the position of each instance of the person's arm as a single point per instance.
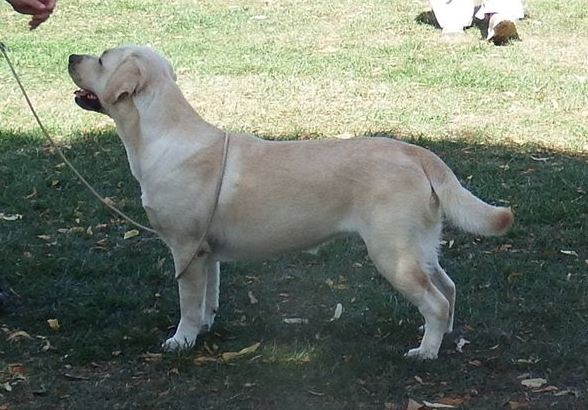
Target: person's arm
(39, 9)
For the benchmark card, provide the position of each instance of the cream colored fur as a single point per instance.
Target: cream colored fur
(279, 196)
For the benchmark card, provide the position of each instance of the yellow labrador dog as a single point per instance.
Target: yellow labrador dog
(277, 196)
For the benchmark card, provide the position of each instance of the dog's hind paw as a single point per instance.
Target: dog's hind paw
(421, 355)
(177, 344)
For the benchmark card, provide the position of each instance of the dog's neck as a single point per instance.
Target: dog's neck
(146, 124)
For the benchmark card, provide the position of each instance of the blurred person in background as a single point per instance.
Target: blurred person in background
(500, 15)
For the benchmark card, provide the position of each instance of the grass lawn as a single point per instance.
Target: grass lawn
(511, 121)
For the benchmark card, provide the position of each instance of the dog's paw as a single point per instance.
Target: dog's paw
(178, 343)
(419, 354)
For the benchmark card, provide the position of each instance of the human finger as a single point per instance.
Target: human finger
(38, 19)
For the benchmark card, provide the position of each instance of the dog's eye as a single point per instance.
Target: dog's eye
(100, 61)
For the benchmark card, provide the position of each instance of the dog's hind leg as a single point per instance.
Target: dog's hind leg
(401, 265)
(443, 282)
(192, 289)
(212, 293)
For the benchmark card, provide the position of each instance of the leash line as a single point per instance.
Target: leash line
(217, 190)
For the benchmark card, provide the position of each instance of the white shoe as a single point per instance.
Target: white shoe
(501, 29)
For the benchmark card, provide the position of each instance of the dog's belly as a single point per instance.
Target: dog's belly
(269, 239)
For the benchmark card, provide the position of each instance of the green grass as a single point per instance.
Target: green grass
(511, 122)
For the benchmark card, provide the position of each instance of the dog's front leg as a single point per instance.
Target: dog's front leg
(212, 293)
(192, 289)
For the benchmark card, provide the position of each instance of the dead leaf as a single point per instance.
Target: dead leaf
(75, 377)
(569, 253)
(438, 405)
(18, 336)
(76, 229)
(338, 312)
(101, 244)
(252, 299)
(413, 405)
(454, 401)
(205, 359)
(10, 217)
(44, 237)
(47, 346)
(131, 234)
(539, 159)
(516, 405)
(533, 383)
(109, 201)
(7, 387)
(296, 321)
(227, 356)
(32, 194)
(16, 368)
(565, 392)
(389, 406)
(546, 389)
(53, 324)
(151, 357)
(513, 275)
(461, 344)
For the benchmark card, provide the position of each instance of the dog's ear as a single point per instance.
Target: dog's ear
(128, 78)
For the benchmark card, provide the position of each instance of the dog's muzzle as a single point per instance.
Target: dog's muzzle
(84, 98)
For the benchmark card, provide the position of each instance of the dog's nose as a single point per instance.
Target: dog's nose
(74, 58)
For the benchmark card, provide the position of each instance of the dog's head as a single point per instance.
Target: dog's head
(116, 75)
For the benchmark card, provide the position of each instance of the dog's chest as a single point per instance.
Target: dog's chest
(146, 200)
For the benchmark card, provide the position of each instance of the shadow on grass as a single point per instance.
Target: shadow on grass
(521, 299)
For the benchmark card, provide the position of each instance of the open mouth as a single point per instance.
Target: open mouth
(88, 100)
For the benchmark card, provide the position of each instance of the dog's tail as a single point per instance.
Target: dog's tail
(459, 205)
